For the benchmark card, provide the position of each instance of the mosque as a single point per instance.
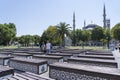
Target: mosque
(106, 25)
(106, 22)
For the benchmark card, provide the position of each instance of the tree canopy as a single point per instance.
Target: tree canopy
(7, 33)
(116, 32)
(97, 34)
(62, 30)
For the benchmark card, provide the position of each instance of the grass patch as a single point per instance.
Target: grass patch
(13, 47)
(8, 47)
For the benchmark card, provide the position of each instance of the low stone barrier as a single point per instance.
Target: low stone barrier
(96, 53)
(67, 71)
(21, 51)
(4, 60)
(25, 76)
(30, 65)
(74, 52)
(93, 62)
(51, 59)
(100, 51)
(5, 53)
(97, 57)
(36, 53)
(64, 55)
(22, 55)
(6, 72)
(27, 49)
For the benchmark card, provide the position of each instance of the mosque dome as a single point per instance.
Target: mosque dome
(90, 27)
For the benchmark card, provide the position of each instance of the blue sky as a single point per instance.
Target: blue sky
(34, 16)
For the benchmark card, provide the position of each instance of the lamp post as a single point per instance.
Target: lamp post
(107, 42)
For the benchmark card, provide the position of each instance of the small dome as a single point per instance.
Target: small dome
(90, 26)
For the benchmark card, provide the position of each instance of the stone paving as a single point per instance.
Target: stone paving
(45, 75)
(116, 54)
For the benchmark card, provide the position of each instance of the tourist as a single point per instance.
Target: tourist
(116, 46)
(119, 47)
(43, 47)
(111, 47)
(48, 47)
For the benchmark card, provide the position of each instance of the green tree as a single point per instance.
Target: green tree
(3, 32)
(86, 36)
(22, 40)
(36, 39)
(107, 34)
(116, 31)
(49, 34)
(62, 30)
(12, 28)
(9, 33)
(97, 34)
(77, 35)
(25, 40)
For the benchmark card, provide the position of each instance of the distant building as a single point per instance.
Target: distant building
(104, 17)
(90, 27)
(108, 23)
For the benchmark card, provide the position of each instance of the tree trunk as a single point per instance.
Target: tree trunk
(63, 41)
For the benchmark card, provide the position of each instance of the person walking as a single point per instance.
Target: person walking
(48, 47)
(116, 46)
(43, 47)
(119, 47)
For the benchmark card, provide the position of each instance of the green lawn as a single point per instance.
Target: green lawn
(8, 47)
(70, 47)
(13, 47)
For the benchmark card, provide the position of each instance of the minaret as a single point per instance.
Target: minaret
(74, 42)
(74, 21)
(104, 17)
(84, 23)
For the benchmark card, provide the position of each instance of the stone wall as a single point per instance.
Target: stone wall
(94, 64)
(65, 72)
(1, 62)
(50, 60)
(64, 55)
(6, 71)
(24, 66)
(27, 66)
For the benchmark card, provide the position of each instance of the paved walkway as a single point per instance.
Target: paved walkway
(116, 54)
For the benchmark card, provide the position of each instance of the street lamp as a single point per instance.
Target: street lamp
(107, 42)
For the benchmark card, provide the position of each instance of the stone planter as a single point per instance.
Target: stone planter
(30, 65)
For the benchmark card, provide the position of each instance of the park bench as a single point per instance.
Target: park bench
(30, 65)
(67, 71)
(51, 59)
(6, 72)
(93, 62)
